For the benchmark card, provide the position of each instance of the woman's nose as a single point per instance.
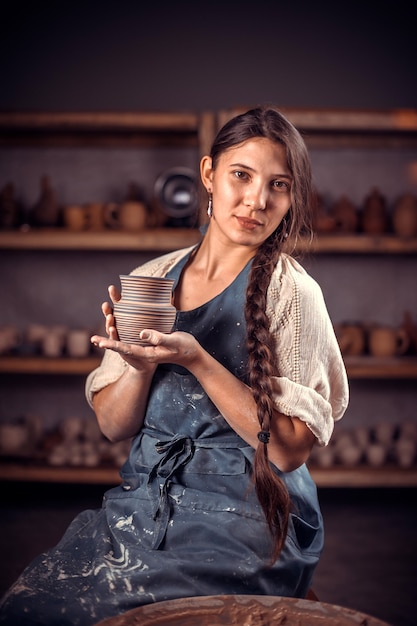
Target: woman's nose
(256, 198)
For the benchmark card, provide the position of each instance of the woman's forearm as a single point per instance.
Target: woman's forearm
(120, 407)
(291, 440)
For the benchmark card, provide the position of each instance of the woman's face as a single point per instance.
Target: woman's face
(251, 189)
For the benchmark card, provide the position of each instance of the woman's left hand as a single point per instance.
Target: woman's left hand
(178, 347)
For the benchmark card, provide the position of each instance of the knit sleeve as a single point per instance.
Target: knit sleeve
(112, 365)
(311, 383)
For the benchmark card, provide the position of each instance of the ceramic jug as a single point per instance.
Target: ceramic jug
(130, 215)
(385, 341)
(404, 218)
(351, 338)
(374, 215)
(345, 215)
(46, 210)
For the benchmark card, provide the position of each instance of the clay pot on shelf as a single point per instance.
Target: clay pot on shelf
(94, 216)
(324, 457)
(351, 339)
(74, 217)
(78, 343)
(129, 215)
(384, 433)
(132, 214)
(411, 329)
(347, 450)
(385, 341)
(323, 222)
(376, 454)
(345, 215)
(46, 210)
(405, 451)
(374, 214)
(350, 455)
(361, 435)
(13, 438)
(404, 218)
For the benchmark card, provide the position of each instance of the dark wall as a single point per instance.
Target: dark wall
(135, 55)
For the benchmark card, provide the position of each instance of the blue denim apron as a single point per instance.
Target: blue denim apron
(185, 521)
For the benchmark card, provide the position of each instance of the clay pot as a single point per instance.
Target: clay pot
(46, 210)
(385, 341)
(405, 451)
(13, 438)
(94, 216)
(345, 215)
(404, 219)
(74, 217)
(130, 215)
(351, 339)
(384, 433)
(323, 222)
(374, 214)
(376, 454)
(411, 329)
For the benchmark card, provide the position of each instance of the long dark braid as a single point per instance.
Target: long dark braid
(268, 122)
(270, 489)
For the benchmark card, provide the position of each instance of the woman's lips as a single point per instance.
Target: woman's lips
(247, 223)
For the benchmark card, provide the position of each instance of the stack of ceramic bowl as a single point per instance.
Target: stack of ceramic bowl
(146, 302)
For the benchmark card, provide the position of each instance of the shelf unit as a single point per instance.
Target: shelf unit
(359, 477)
(321, 128)
(365, 367)
(155, 239)
(164, 239)
(340, 128)
(107, 129)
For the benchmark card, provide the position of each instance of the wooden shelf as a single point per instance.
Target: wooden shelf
(359, 244)
(357, 367)
(157, 239)
(342, 128)
(45, 365)
(337, 120)
(328, 129)
(371, 367)
(166, 239)
(45, 473)
(108, 129)
(362, 477)
(99, 121)
(365, 477)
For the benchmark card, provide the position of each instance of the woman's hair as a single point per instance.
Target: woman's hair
(271, 124)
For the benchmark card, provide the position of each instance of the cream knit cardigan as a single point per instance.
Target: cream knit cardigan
(312, 383)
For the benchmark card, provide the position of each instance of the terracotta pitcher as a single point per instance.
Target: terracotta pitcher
(374, 214)
(404, 219)
(351, 339)
(129, 215)
(385, 341)
(345, 215)
(46, 210)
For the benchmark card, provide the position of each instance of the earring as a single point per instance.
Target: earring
(210, 205)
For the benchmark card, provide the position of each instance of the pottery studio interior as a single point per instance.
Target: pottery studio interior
(107, 117)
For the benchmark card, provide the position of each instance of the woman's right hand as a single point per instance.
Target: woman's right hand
(107, 310)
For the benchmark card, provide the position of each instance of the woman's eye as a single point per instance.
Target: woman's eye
(281, 185)
(240, 174)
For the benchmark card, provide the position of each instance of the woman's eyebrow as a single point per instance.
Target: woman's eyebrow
(248, 167)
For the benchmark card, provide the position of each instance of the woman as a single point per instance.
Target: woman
(222, 412)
